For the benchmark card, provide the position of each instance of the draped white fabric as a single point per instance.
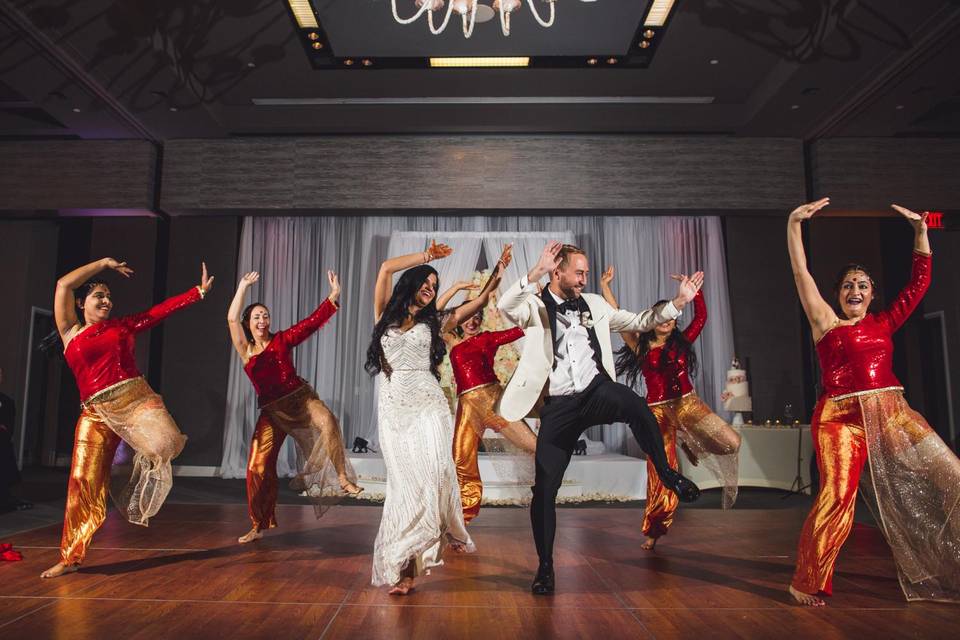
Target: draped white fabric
(293, 254)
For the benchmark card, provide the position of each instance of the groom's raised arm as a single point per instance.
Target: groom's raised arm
(622, 320)
(513, 302)
(687, 288)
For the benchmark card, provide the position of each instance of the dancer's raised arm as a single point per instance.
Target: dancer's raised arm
(457, 287)
(469, 308)
(65, 311)
(384, 286)
(632, 338)
(819, 313)
(235, 312)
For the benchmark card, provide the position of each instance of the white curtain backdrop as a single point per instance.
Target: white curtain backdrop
(293, 254)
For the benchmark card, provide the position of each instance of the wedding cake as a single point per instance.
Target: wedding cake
(736, 395)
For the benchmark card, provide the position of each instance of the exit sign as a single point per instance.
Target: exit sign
(934, 219)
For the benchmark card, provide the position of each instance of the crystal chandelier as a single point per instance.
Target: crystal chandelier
(472, 12)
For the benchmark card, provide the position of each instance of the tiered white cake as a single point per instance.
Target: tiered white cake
(736, 395)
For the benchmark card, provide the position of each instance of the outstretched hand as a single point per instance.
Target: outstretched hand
(249, 279)
(917, 220)
(334, 281)
(607, 276)
(506, 256)
(548, 261)
(806, 211)
(206, 282)
(119, 267)
(687, 287)
(437, 251)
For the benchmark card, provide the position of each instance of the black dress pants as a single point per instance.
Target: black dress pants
(563, 419)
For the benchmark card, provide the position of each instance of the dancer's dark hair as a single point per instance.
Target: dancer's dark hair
(630, 363)
(403, 297)
(245, 319)
(51, 343)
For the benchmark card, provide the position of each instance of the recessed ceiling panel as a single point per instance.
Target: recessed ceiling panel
(366, 28)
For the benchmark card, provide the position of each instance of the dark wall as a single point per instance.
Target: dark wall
(767, 330)
(652, 173)
(196, 346)
(28, 264)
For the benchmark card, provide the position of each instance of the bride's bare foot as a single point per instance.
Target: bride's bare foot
(350, 488)
(806, 599)
(649, 544)
(250, 536)
(402, 588)
(59, 569)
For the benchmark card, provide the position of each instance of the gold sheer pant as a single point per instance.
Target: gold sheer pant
(707, 439)
(475, 412)
(321, 462)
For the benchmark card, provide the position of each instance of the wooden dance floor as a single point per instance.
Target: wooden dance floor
(718, 575)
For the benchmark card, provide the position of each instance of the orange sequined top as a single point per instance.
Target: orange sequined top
(859, 357)
(472, 359)
(271, 371)
(101, 355)
(665, 374)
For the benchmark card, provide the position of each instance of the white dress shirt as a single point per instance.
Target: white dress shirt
(575, 364)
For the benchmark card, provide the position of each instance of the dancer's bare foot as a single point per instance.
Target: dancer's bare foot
(250, 536)
(59, 569)
(350, 488)
(402, 588)
(806, 599)
(649, 544)
(458, 547)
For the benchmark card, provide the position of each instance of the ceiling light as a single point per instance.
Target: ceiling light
(471, 12)
(644, 44)
(516, 61)
(611, 61)
(648, 34)
(348, 62)
(367, 62)
(313, 35)
(303, 12)
(318, 45)
(658, 14)
(714, 61)
(592, 61)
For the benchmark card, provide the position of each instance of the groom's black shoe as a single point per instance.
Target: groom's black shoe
(543, 583)
(685, 489)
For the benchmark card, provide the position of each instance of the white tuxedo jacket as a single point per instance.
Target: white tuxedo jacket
(522, 306)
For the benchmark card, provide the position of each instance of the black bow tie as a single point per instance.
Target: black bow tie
(569, 305)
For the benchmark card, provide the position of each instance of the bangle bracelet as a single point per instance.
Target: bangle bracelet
(203, 293)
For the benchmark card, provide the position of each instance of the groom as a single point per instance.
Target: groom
(567, 360)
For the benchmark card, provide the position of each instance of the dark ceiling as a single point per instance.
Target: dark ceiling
(160, 69)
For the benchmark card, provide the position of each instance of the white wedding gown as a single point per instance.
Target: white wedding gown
(422, 510)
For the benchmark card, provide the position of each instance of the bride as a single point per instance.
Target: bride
(422, 512)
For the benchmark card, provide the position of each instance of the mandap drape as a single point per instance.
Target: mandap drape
(293, 253)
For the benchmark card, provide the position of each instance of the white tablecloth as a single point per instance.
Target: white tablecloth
(768, 458)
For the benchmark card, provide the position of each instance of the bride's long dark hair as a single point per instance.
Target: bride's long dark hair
(403, 297)
(630, 362)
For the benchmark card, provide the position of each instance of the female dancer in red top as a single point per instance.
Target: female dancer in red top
(862, 418)
(665, 358)
(288, 406)
(117, 404)
(472, 353)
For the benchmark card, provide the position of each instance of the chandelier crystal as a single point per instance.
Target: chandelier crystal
(468, 11)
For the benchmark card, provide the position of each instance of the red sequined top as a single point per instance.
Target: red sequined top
(472, 359)
(667, 377)
(101, 355)
(271, 371)
(859, 357)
